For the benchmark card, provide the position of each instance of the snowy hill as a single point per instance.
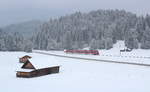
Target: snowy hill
(135, 53)
(25, 28)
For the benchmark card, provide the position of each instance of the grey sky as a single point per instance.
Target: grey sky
(14, 11)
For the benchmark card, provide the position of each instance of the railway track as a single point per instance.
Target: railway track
(99, 60)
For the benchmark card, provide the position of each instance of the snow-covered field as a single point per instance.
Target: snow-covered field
(78, 75)
(75, 76)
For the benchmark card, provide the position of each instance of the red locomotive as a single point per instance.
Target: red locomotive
(93, 52)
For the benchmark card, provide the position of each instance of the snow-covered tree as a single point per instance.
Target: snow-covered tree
(145, 43)
(131, 40)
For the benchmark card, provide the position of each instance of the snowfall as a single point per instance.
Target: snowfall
(80, 75)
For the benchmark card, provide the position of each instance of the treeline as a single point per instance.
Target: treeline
(14, 42)
(97, 30)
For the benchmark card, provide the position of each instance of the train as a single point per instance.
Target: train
(92, 52)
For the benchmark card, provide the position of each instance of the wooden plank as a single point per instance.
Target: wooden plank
(38, 72)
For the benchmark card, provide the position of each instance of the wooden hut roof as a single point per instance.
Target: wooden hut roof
(28, 65)
(22, 69)
(26, 56)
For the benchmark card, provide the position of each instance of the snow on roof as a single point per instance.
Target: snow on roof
(25, 70)
(18, 68)
(44, 62)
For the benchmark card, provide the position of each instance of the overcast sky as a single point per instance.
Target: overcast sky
(15, 11)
